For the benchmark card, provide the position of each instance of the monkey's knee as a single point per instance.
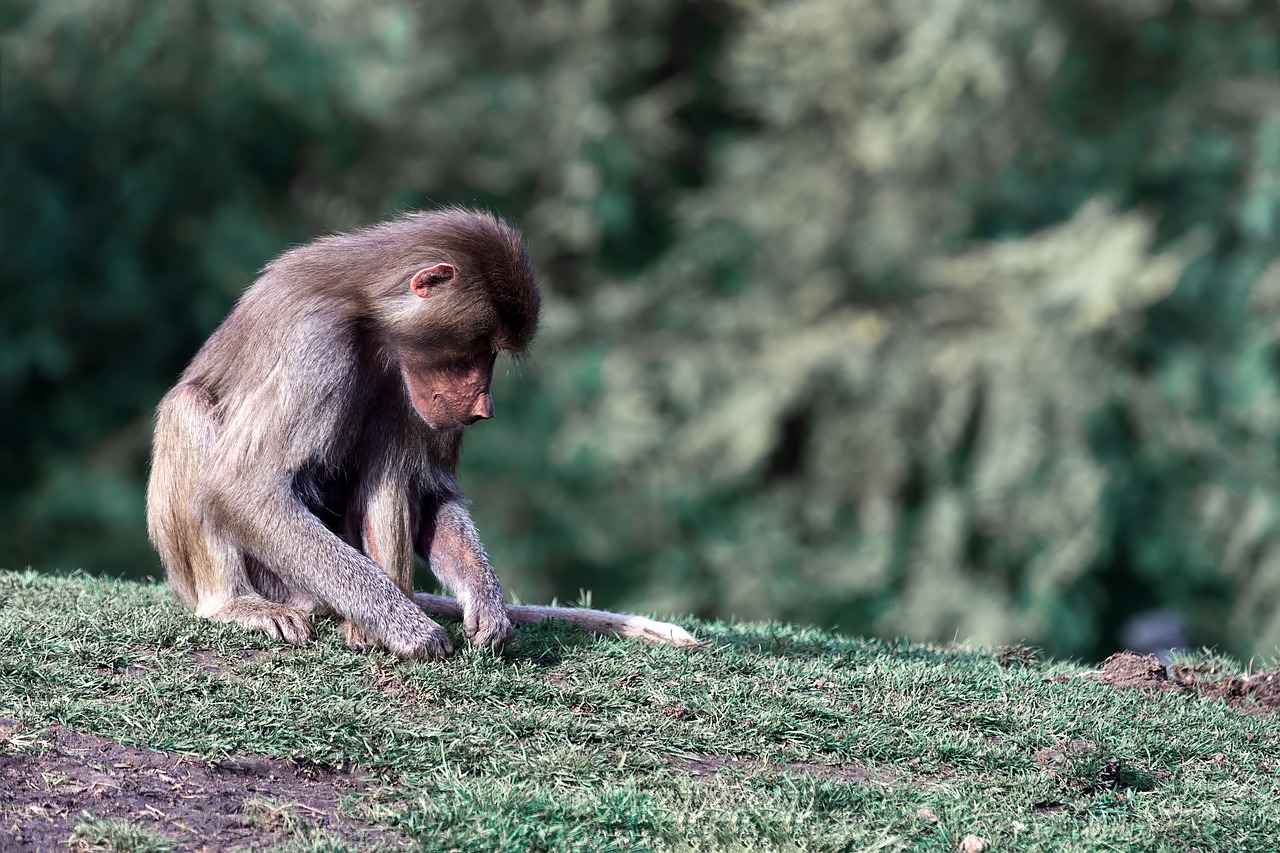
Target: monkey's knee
(278, 621)
(385, 533)
(186, 429)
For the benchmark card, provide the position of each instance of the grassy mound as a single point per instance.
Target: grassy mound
(129, 725)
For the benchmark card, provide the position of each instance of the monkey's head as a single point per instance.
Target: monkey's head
(463, 291)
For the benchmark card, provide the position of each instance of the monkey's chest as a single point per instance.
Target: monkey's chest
(403, 471)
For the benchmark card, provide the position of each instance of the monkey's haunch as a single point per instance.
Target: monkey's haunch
(309, 450)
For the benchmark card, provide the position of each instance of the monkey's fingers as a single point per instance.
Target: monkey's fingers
(488, 626)
(422, 642)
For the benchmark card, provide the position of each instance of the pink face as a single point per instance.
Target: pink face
(451, 390)
(448, 387)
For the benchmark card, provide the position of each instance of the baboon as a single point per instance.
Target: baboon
(310, 448)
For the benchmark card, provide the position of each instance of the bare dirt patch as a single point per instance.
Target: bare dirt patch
(708, 766)
(215, 664)
(1133, 672)
(1259, 693)
(1017, 656)
(44, 796)
(1082, 765)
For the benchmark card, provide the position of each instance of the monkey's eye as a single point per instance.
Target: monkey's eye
(460, 364)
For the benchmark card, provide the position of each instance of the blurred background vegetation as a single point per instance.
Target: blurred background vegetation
(935, 318)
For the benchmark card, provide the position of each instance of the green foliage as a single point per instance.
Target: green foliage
(900, 425)
(915, 318)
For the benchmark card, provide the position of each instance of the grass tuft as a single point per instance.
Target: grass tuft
(93, 834)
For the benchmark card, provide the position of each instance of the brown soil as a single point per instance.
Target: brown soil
(1082, 765)
(217, 665)
(44, 796)
(1133, 671)
(1258, 693)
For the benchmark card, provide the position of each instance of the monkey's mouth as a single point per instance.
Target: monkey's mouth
(425, 401)
(435, 408)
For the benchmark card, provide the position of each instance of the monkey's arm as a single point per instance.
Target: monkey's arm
(267, 520)
(247, 495)
(452, 546)
(447, 539)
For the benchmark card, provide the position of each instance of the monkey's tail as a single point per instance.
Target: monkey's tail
(600, 622)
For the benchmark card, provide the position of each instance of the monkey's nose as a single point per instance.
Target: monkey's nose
(483, 408)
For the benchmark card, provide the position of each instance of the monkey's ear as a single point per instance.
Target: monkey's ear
(427, 276)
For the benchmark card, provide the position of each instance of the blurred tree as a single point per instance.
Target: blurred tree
(915, 317)
(899, 429)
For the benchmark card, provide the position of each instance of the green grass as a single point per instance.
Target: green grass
(95, 835)
(772, 738)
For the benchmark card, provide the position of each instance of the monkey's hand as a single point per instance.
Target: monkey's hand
(417, 642)
(486, 624)
(426, 641)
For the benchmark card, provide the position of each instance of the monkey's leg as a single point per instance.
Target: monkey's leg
(449, 541)
(206, 572)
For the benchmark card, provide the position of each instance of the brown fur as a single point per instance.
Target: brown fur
(311, 446)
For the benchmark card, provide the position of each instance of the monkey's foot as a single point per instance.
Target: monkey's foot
(356, 638)
(487, 625)
(278, 621)
(422, 642)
